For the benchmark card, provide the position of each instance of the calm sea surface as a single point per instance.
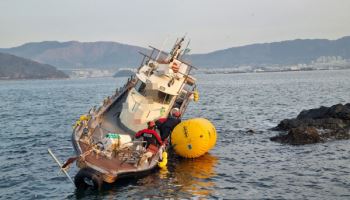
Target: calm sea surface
(38, 114)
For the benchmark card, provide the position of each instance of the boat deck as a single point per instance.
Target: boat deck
(118, 163)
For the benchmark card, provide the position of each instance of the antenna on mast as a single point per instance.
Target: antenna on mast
(186, 50)
(162, 47)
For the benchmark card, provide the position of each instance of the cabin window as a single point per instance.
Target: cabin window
(140, 86)
(189, 86)
(159, 96)
(164, 97)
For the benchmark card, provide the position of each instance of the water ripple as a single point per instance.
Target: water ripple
(35, 115)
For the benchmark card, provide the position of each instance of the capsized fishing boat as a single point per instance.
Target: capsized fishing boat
(104, 140)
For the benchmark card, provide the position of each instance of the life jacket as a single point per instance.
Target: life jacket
(150, 136)
(160, 122)
(167, 126)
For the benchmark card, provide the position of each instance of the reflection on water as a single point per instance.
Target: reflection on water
(233, 102)
(194, 175)
(183, 178)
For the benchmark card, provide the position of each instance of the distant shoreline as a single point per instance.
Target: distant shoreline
(253, 72)
(22, 79)
(206, 73)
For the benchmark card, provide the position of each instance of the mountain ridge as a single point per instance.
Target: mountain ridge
(74, 54)
(262, 43)
(14, 67)
(106, 54)
(284, 52)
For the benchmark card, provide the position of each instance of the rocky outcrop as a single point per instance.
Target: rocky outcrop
(14, 67)
(316, 125)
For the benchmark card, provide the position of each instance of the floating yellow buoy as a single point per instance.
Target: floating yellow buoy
(162, 164)
(193, 138)
(196, 96)
(84, 118)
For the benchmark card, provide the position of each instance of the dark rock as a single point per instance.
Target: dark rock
(250, 131)
(299, 136)
(328, 122)
(338, 111)
(337, 134)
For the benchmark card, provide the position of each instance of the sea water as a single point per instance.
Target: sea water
(39, 114)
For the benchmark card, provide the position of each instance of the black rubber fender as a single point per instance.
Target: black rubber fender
(88, 178)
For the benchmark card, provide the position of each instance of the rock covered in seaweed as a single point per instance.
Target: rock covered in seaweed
(316, 125)
(300, 135)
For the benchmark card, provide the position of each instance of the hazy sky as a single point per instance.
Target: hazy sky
(211, 24)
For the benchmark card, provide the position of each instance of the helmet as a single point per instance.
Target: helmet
(151, 124)
(177, 114)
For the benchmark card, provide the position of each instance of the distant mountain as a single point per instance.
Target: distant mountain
(111, 54)
(283, 53)
(13, 67)
(80, 54)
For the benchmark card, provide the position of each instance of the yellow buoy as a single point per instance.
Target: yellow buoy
(196, 96)
(84, 117)
(193, 138)
(162, 164)
(81, 119)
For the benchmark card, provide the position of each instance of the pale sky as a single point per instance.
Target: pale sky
(211, 24)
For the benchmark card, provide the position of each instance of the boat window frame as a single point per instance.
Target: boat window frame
(167, 97)
(140, 87)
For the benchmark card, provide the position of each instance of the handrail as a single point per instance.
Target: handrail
(181, 61)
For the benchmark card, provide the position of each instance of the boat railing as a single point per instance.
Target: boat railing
(161, 57)
(155, 55)
(118, 93)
